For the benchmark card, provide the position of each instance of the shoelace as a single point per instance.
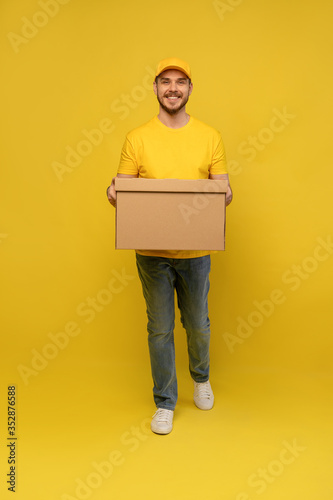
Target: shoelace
(163, 416)
(203, 391)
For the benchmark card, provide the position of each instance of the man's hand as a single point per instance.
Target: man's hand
(228, 198)
(224, 177)
(111, 193)
(111, 190)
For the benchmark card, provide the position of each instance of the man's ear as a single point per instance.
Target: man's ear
(155, 88)
(190, 88)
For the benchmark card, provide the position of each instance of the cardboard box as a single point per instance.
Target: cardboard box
(170, 214)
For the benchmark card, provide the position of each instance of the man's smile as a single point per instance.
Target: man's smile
(172, 98)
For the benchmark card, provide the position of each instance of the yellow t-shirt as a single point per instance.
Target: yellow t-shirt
(155, 151)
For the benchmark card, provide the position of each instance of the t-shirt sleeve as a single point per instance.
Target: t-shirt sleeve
(219, 162)
(128, 162)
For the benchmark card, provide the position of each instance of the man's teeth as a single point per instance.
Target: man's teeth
(172, 97)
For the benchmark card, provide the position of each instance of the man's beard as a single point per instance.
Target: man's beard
(173, 111)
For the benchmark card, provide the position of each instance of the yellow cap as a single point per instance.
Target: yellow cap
(173, 63)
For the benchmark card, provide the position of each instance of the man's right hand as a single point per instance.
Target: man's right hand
(111, 193)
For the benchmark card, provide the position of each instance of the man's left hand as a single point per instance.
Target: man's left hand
(228, 197)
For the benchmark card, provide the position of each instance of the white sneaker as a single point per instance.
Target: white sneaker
(162, 421)
(203, 395)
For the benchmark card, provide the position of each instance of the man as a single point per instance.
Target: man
(174, 145)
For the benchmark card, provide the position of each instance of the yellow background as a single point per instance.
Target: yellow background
(90, 65)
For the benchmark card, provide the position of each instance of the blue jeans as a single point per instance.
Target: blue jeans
(160, 276)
